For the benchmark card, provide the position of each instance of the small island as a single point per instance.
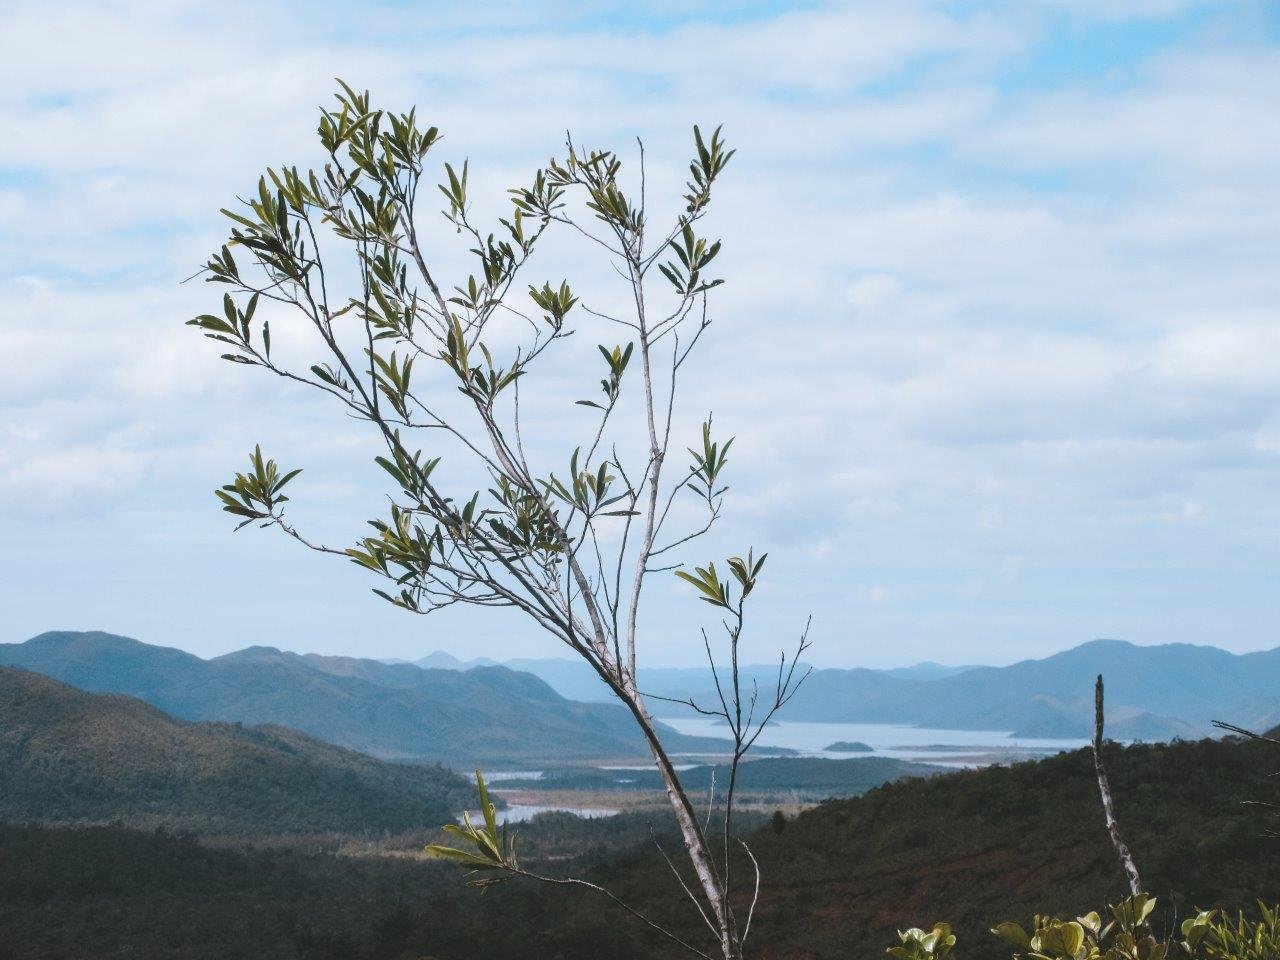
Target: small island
(849, 746)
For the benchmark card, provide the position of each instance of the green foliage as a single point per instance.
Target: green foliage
(374, 341)
(552, 547)
(555, 303)
(1125, 937)
(708, 583)
(1210, 935)
(1216, 935)
(488, 849)
(708, 464)
(841, 879)
(100, 893)
(916, 944)
(708, 165)
(71, 756)
(694, 255)
(256, 495)
(717, 592)
(979, 846)
(919, 945)
(617, 360)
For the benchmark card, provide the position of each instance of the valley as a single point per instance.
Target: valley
(749, 480)
(546, 752)
(203, 819)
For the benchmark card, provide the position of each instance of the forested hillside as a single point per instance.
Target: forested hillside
(71, 756)
(974, 848)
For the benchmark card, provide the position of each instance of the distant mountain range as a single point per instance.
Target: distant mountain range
(929, 670)
(1153, 693)
(489, 715)
(575, 680)
(548, 710)
(71, 756)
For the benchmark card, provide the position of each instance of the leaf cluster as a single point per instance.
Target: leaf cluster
(718, 592)
(917, 944)
(709, 163)
(486, 849)
(617, 360)
(256, 495)
(1209, 935)
(708, 463)
(694, 255)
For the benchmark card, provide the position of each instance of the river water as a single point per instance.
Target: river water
(955, 748)
(948, 747)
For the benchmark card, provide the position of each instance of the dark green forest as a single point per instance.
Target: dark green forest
(69, 756)
(973, 848)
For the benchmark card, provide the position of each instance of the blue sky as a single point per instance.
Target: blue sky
(1000, 337)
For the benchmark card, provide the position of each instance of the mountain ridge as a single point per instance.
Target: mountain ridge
(393, 711)
(1154, 692)
(408, 711)
(69, 756)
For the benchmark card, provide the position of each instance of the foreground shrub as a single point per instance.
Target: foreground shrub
(1210, 935)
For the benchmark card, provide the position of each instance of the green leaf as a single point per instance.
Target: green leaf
(1012, 934)
(1060, 939)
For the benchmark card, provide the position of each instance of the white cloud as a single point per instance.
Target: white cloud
(1199, 114)
(1120, 9)
(69, 483)
(967, 327)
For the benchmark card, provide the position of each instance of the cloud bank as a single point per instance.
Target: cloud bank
(999, 340)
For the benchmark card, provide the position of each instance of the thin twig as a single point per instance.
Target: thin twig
(755, 896)
(576, 882)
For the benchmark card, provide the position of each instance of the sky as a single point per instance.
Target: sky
(999, 338)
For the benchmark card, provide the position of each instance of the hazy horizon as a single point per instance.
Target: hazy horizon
(1033, 246)
(568, 656)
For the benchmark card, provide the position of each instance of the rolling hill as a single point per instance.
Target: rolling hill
(978, 847)
(488, 715)
(71, 756)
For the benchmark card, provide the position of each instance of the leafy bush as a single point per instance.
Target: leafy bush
(937, 944)
(1218, 937)
(1210, 935)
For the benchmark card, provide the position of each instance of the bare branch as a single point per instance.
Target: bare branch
(653, 925)
(755, 894)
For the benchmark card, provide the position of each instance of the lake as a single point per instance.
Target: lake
(519, 812)
(947, 747)
(952, 748)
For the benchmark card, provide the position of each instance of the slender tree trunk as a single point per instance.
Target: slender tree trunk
(1104, 788)
(695, 840)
